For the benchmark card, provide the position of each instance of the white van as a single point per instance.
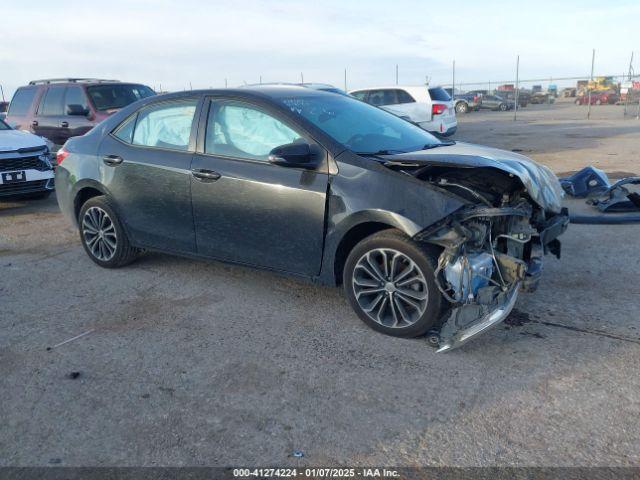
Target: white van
(430, 107)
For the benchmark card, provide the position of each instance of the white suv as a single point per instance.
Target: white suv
(430, 107)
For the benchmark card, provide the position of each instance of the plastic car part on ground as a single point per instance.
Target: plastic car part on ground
(608, 198)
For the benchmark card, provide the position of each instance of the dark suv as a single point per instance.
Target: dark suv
(59, 109)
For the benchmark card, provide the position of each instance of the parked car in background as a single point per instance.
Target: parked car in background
(598, 98)
(464, 102)
(3, 110)
(569, 92)
(424, 235)
(25, 164)
(431, 108)
(494, 102)
(538, 98)
(510, 95)
(59, 109)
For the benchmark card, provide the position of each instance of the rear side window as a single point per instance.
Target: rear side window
(21, 101)
(166, 125)
(439, 94)
(53, 101)
(125, 131)
(359, 95)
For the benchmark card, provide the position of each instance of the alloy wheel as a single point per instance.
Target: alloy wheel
(99, 234)
(390, 288)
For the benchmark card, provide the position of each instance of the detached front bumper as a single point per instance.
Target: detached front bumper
(469, 321)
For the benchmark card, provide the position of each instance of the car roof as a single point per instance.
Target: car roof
(274, 91)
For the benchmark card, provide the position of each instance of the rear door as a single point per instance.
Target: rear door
(404, 105)
(49, 118)
(249, 210)
(146, 166)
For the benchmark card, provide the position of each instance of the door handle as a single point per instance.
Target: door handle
(205, 175)
(64, 124)
(34, 123)
(112, 160)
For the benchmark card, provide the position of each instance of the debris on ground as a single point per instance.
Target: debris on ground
(73, 375)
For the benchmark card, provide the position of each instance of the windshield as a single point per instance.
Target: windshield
(116, 96)
(360, 127)
(4, 126)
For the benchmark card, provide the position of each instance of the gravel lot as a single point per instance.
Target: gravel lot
(196, 363)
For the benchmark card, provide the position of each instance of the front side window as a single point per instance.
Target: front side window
(52, 103)
(21, 101)
(165, 125)
(241, 130)
(359, 126)
(382, 97)
(75, 96)
(115, 96)
(359, 95)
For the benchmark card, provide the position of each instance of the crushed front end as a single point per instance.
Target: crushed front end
(493, 247)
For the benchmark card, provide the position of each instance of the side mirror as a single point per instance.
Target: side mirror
(300, 155)
(78, 110)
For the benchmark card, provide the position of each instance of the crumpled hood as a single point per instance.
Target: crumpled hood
(12, 140)
(541, 183)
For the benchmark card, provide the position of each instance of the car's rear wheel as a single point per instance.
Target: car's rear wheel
(389, 281)
(462, 107)
(102, 234)
(598, 102)
(503, 107)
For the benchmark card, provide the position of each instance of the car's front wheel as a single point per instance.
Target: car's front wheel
(390, 282)
(503, 107)
(102, 234)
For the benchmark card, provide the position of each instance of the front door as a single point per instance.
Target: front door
(246, 209)
(146, 166)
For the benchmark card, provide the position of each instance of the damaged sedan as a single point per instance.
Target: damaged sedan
(426, 236)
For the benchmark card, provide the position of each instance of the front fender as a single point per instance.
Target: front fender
(367, 192)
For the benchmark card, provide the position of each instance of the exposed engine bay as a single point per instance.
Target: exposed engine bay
(492, 248)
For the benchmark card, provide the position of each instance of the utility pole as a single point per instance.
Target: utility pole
(190, 86)
(225, 83)
(453, 81)
(260, 79)
(593, 59)
(301, 78)
(396, 74)
(345, 79)
(2, 91)
(515, 107)
(626, 99)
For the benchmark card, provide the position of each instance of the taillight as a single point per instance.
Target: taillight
(61, 155)
(438, 109)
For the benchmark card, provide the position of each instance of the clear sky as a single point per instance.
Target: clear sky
(178, 43)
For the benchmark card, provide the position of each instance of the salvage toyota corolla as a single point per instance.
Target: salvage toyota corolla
(426, 236)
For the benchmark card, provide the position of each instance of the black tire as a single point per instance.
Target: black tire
(424, 258)
(123, 252)
(462, 107)
(503, 107)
